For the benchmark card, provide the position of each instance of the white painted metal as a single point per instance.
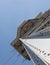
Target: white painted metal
(39, 48)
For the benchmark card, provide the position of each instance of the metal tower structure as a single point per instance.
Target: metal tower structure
(33, 39)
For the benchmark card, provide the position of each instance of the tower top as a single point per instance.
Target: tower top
(29, 27)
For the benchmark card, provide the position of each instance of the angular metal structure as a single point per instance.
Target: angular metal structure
(23, 30)
(30, 41)
(38, 47)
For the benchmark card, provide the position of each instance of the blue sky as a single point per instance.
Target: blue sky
(12, 14)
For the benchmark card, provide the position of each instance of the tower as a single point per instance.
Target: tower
(30, 31)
